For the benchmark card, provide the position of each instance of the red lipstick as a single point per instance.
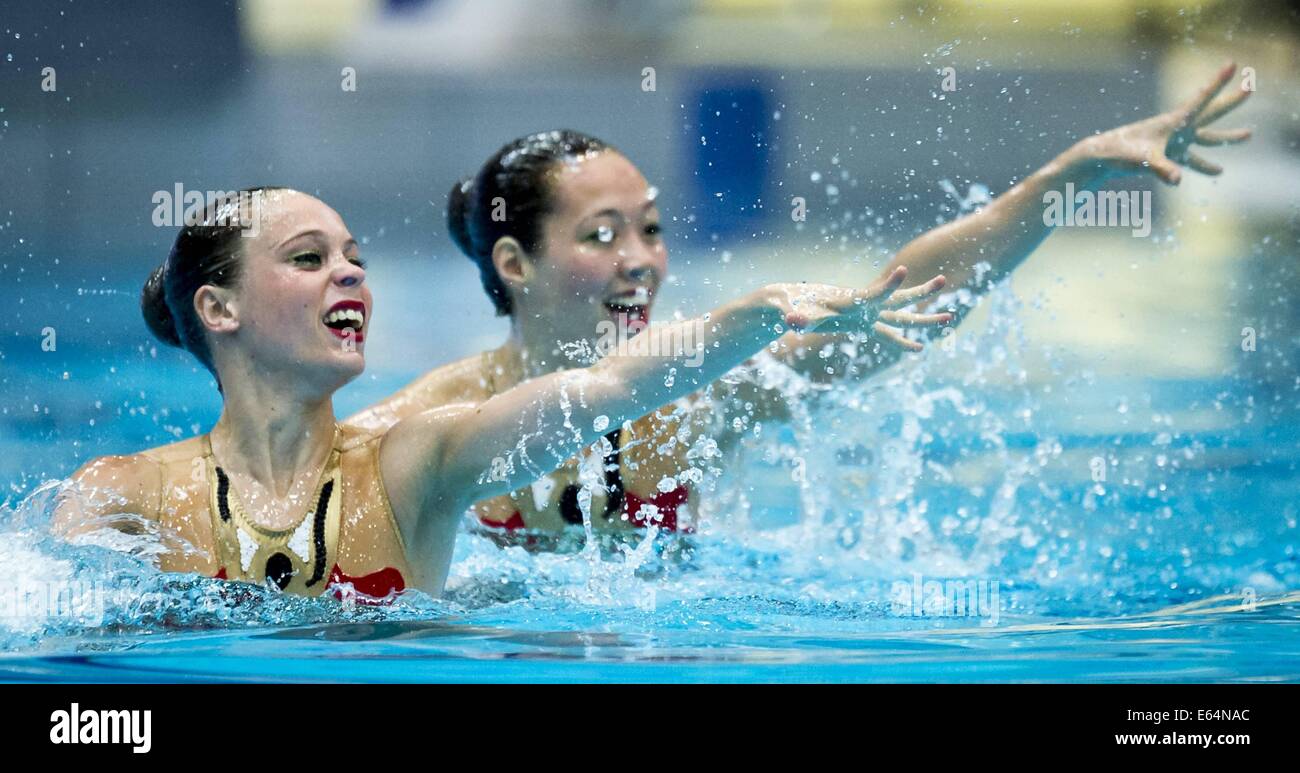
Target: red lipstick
(346, 320)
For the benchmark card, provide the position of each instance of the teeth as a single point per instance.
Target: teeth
(641, 297)
(346, 315)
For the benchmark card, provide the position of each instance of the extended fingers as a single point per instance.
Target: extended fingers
(1222, 107)
(1192, 107)
(895, 336)
(1164, 168)
(913, 319)
(886, 285)
(810, 305)
(1213, 137)
(913, 294)
(1202, 165)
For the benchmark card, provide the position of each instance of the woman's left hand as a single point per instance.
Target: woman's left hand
(828, 309)
(1162, 144)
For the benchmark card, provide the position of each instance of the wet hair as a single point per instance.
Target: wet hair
(206, 253)
(517, 174)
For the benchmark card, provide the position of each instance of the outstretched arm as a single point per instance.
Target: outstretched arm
(443, 461)
(1008, 230)
(1005, 232)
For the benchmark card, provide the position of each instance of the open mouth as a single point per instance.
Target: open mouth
(346, 319)
(633, 306)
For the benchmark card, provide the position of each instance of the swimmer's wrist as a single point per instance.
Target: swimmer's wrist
(759, 312)
(1080, 165)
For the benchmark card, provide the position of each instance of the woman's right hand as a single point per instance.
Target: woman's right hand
(820, 308)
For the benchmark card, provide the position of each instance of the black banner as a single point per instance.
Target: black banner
(176, 722)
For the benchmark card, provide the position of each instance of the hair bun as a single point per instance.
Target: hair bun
(459, 202)
(153, 305)
(518, 173)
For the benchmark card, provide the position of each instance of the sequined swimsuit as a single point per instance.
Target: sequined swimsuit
(350, 521)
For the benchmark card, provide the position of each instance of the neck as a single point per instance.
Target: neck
(526, 355)
(271, 435)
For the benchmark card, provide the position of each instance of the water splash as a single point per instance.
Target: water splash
(951, 465)
(104, 586)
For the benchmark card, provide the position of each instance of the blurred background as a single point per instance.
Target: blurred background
(731, 107)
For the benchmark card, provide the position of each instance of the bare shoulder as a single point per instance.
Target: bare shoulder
(456, 382)
(129, 483)
(415, 439)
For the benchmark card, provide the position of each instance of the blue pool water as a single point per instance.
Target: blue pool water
(1177, 561)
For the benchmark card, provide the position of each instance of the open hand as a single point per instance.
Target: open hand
(830, 309)
(1162, 144)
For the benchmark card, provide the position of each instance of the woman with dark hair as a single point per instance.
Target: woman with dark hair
(566, 235)
(278, 492)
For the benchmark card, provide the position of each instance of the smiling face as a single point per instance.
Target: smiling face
(602, 253)
(302, 303)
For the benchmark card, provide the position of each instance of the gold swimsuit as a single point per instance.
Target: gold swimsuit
(347, 541)
(295, 559)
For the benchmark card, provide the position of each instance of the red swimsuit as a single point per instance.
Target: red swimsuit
(372, 588)
(667, 502)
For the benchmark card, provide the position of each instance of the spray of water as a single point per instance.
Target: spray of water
(946, 466)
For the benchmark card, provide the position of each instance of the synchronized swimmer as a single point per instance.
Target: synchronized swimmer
(581, 248)
(279, 492)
